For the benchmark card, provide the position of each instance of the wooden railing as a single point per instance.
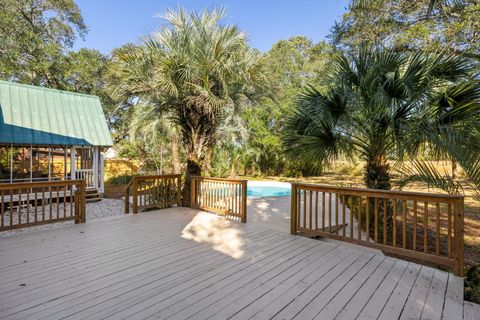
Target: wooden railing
(34, 203)
(421, 226)
(223, 196)
(149, 192)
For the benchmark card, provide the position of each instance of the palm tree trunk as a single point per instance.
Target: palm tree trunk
(193, 169)
(377, 174)
(207, 167)
(175, 154)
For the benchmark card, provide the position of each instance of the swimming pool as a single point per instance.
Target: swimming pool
(260, 189)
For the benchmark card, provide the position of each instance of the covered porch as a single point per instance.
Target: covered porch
(39, 163)
(51, 135)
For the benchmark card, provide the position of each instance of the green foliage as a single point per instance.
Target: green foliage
(427, 173)
(155, 157)
(383, 105)
(195, 71)
(431, 25)
(348, 168)
(228, 160)
(290, 64)
(35, 41)
(122, 179)
(472, 284)
(33, 37)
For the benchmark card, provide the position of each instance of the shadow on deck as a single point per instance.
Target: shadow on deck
(180, 263)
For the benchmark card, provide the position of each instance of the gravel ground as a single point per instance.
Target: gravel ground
(95, 210)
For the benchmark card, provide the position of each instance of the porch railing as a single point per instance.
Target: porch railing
(421, 226)
(35, 203)
(223, 196)
(88, 175)
(156, 191)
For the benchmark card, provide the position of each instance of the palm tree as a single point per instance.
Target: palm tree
(156, 128)
(195, 69)
(384, 105)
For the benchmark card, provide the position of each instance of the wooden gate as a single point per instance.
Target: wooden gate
(223, 196)
(156, 191)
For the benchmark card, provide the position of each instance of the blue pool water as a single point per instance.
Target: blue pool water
(267, 191)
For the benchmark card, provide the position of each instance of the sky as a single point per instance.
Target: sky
(113, 23)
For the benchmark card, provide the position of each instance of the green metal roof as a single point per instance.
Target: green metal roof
(41, 116)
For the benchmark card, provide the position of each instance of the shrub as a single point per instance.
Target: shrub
(472, 284)
(352, 169)
(122, 179)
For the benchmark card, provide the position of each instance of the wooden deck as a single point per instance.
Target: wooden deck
(185, 264)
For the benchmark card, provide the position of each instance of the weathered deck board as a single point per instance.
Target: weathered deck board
(453, 298)
(198, 288)
(416, 300)
(343, 296)
(394, 306)
(372, 309)
(96, 299)
(353, 308)
(77, 291)
(471, 311)
(184, 264)
(436, 296)
(246, 291)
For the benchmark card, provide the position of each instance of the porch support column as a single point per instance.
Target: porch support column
(50, 163)
(96, 152)
(65, 163)
(31, 163)
(72, 162)
(11, 163)
(102, 172)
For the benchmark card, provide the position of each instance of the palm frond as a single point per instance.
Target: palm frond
(426, 172)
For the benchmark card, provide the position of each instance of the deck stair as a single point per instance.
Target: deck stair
(92, 195)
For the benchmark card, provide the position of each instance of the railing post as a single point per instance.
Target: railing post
(179, 191)
(135, 195)
(244, 201)
(76, 208)
(127, 198)
(193, 193)
(458, 238)
(293, 210)
(83, 193)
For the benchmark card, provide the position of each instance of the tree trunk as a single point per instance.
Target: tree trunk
(454, 169)
(377, 173)
(161, 160)
(193, 169)
(207, 166)
(377, 177)
(175, 154)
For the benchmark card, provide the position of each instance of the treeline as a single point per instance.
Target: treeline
(37, 36)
